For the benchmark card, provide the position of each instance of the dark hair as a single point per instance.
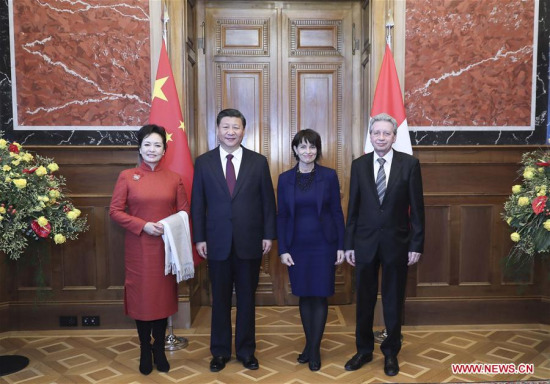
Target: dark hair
(309, 136)
(148, 129)
(230, 112)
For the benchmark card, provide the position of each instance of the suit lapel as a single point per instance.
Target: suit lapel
(244, 170)
(217, 168)
(395, 170)
(369, 160)
(290, 192)
(319, 189)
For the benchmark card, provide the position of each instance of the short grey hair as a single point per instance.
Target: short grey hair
(383, 117)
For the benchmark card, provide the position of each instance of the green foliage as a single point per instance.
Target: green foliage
(527, 210)
(33, 205)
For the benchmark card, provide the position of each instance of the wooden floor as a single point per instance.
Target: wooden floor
(112, 356)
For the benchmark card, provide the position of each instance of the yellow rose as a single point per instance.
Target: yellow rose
(508, 220)
(547, 225)
(6, 168)
(523, 201)
(27, 157)
(541, 190)
(20, 183)
(71, 215)
(59, 238)
(515, 237)
(7, 179)
(2, 210)
(41, 171)
(77, 212)
(516, 189)
(528, 173)
(42, 221)
(53, 167)
(16, 162)
(541, 169)
(54, 193)
(3, 143)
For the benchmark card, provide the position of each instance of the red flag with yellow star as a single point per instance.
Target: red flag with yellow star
(166, 112)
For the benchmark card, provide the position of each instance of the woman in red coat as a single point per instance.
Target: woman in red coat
(142, 197)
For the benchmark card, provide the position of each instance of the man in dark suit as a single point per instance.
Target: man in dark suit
(234, 223)
(385, 228)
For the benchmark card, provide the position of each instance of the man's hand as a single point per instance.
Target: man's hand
(350, 257)
(414, 257)
(266, 246)
(201, 249)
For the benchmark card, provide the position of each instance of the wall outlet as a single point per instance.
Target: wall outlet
(90, 321)
(68, 321)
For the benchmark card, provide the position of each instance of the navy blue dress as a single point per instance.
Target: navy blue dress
(313, 271)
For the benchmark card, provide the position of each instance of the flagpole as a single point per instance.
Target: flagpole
(171, 342)
(389, 27)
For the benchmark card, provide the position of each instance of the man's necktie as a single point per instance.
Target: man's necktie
(381, 180)
(230, 174)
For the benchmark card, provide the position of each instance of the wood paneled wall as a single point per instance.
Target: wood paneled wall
(86, 276)
(458, 281)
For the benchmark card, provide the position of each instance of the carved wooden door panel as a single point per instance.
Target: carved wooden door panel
(286, 67)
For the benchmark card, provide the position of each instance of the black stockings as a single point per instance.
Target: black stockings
(313, 312)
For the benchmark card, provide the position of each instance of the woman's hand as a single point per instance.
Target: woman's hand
(286, 259)
(340, 257)
(153, 229)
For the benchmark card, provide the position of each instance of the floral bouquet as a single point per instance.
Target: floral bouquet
(527, 210)
(32, 203)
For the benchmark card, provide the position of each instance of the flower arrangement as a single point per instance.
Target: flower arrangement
(527, 210)
(32, 202)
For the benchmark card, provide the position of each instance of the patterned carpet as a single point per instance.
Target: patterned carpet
(112, 356)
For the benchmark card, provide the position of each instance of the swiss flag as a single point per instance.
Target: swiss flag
(388, 99)
(166, 112)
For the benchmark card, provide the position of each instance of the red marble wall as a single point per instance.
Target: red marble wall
(469, 63)
(82, 64)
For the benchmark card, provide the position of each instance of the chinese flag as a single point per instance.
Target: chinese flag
(387, 99)
(166, 112)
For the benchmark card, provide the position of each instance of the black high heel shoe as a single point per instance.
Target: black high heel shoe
(314, 365)
(302, 358)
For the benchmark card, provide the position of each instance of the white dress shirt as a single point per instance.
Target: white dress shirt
(387, 165)
(237, 158)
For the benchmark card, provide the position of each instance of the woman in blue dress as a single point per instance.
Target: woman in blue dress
(310, 226)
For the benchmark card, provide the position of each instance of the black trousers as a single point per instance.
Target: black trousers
(394, 281)
(243, 274)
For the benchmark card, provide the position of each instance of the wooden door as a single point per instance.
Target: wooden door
(287, 66)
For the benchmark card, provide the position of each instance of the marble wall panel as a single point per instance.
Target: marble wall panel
(112, 25)
(82, 73)
(469, 71)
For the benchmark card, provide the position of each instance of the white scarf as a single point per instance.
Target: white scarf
(178, 251)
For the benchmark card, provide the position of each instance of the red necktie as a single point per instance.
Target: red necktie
(230, 174)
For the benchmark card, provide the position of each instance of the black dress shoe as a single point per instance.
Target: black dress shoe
(218, 363)
(302, 358)
(357, 361)
(391, 366)
(250, 362)
(314, 365)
